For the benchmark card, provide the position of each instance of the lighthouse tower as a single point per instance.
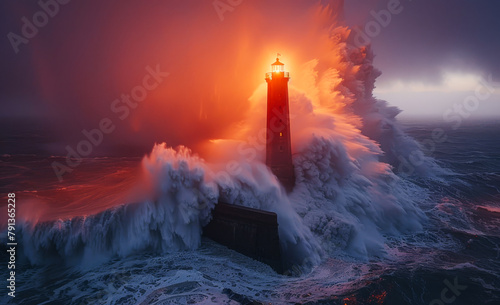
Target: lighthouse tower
(278, 141)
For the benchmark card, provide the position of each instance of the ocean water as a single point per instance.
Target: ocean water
(452, 258)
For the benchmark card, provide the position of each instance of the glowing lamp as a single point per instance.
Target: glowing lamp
(278, 70)
(278, 67)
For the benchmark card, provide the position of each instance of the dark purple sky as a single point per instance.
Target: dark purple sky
(429, 35)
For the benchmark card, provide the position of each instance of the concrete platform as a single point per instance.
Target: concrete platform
(251, 232)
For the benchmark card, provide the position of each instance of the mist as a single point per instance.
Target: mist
(91, 54)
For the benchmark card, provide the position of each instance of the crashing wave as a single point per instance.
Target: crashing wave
(348, 197)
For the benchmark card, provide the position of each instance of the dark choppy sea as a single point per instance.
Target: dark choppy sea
(454, 260)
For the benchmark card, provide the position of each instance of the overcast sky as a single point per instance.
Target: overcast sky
(433, 54)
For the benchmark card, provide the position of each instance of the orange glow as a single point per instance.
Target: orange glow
(278, 67)
(215, 96)
(214, 66)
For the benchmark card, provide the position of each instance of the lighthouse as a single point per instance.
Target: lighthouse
(278, 139)
(255, 232)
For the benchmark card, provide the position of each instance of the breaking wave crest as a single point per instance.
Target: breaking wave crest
(348, 196)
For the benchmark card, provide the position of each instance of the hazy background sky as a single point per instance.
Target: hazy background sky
(432, 55)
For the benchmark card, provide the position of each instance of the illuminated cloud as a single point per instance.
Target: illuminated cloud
(451, 82)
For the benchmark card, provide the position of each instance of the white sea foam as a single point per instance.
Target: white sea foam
(347, 147)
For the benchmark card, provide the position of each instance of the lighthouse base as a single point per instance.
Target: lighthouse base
(251, 232)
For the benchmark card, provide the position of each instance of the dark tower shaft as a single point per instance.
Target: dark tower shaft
(278, 141)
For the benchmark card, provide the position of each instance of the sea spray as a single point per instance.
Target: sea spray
(171, 219)
(347, 147)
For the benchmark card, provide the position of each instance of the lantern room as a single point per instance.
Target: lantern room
(278, 70)
(278, 67)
